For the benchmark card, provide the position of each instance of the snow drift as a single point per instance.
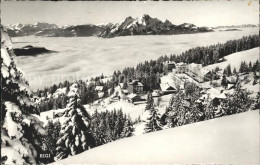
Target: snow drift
(227, 140)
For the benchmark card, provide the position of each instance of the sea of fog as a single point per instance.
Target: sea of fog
(84, 57)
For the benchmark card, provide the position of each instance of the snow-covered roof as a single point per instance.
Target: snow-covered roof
(222, 96)
(213, 93)
(99, 88)
(204, 71)
(125, 91)
(232, 79)
(181, 64)
(155, 94)
(121, 84)
(206, 86)
(193, 65)
(167, 87)
(230, 86)
(231, 91)
(135, 83)
(100, 94)
(169, 62)
(132, 95)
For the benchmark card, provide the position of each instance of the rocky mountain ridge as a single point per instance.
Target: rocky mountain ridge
(144, 25)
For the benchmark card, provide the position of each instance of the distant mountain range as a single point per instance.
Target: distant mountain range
(144, 25)
(236, 26)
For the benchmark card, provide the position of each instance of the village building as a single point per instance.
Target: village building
(99, 88)
(156, 93)
(125, 91)
(133, 97)
(167, 88)
(218, 99)
(100, 95)
(195, 69)
(181, 68)
(197, 72)
(232, 82)
(135, 87)
(170, 65)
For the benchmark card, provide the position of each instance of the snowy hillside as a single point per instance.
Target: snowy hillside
(226, 140)
(235, 59)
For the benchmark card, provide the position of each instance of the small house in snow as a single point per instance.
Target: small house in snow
(125, 91)
(156, 93)
(181, 68)
(167, 88)
(99, 88)
(133, 98)
(100, 95)
(170, 65)
(218, 99)
(231, 80)
(135, 87)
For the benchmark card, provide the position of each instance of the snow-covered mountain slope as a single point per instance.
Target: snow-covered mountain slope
(235, 59)
(227, 140)
(146, 25)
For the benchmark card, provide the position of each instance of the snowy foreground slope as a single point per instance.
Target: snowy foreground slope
(227, 140)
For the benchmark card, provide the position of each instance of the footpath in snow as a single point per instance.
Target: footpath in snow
(227, 140)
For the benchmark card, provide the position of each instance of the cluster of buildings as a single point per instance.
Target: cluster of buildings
(171, 83)
(195, 71)
(135, 91)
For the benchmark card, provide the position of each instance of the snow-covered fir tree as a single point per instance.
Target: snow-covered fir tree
(150, 101)
(128, 128)
(256, 104)
(53, 129)
(97, 127)
(151, 117)
(153, 121)
(20, 130)
(75, 135)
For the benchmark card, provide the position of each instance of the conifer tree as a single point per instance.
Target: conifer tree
(75, 135)
(149, 102)
(97, 128)
(53, 129)
(153, 121)
(151, 116)
(128, 128)
(228, 70)
(234, 71)
(256, 104)
(125, 85)
(20, 130)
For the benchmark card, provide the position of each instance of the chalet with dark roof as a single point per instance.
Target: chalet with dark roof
(135, 87)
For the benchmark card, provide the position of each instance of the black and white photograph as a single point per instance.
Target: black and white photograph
(130, 82)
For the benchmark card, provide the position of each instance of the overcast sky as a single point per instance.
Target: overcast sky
(61, 13)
